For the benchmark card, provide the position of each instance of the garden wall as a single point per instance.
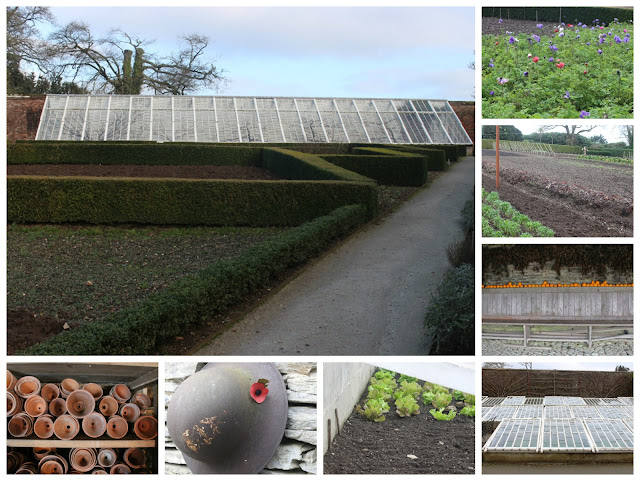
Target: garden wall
(297, 454)
(343, 384)
(537, 274)
(23, 116)
(466, 112)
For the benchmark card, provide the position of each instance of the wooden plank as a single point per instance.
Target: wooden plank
(80, 443)
(100, 373)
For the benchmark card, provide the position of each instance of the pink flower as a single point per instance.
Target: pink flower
(258, 392)
(535, 59)
(560, 65)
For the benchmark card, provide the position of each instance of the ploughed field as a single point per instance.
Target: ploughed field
(243, 172)
(574, 197)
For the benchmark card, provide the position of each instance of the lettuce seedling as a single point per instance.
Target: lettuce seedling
(374, 410)
(442, 400)
(404, 377)
(378, 391)
(441, 416)
(406, 406)
(470, 399)
(468, 411)
(428, 397)
(459, 395)
(383, 373)
(388, 384)
(408, 389)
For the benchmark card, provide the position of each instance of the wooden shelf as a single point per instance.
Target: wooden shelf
(81, 441)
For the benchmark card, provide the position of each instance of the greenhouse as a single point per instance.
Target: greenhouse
(249, 119)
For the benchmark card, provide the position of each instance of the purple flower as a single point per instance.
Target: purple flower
(588, 43)
(601, 40)
(567, 95)
(553, 48)
(500, 21)
(526, 74)
(584, 113)
(599, 51)
(617, 39)
(491, 63)
(502, 81)
(512, 40)
(626, 39)
(577, 37)
(536, 37)
(491, 92)
(539, 25)
(550, 59)
(579, 23)
(561, 34)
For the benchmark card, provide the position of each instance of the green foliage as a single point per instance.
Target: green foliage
(428, 397)
(500, 219)
(401, 169)
(441, 416)
(374, 410)
(131, 153)
(142, 327)
(378, 391)
(179, 201)
(436, 155)
(470, 399)
(597, 76)
(436, 388)
(407, 406)
(468, 411)
(385, 384)
(468, 214)
(458, 395)
(565, 14)
(404, 377)
(383, 373)
(442, 400)
(412, 389)
(451, 312)
(604, 158)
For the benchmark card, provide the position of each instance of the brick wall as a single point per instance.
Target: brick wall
(23, 116)
(466, 112)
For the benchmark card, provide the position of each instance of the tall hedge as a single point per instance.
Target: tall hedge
(180, 201)
(197, 298)
(140, 153)
(404, 169)
(436, 157)
(553, 14)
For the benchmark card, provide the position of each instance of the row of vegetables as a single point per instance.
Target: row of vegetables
(500, 219)
(406, 392)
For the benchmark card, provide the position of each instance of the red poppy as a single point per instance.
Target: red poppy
(560, 65)
(535, 59)
(497, 43)
(585, 72)
(556, 30)
(570, 25)
(258, 392)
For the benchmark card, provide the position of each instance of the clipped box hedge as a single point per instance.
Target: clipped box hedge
(139, 153)
(397, 169)
(569, 14)
(141, 328)
(180, 201)
(436, 157)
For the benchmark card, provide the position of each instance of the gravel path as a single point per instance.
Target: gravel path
(598, 348)
(370, 295)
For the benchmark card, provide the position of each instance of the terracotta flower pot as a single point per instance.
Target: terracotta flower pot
(99, 471)
(108, 406)
(146, 427)
(66, 427)
(20, 425)
(142, 400)
(117, 427)
(56, 457)
(130, 412)
(107, 457)
(94, 389)
(51, 467)
(94, 425)
(58, 407)
(50, 392)
(27, 468)
(80, 403)
(27, 386)
(121, 393)
(120, 469)
(14, 404)
(67, 386)
(35, 406)
(43, 427)
(82, 459)
(11, 381)
(135, 457)
(14, 460)
(40, 453)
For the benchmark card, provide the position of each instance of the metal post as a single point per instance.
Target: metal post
(86, 114)
(497, 157)
(106, 123)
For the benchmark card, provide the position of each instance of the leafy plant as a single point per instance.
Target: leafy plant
(374, 410)
(412, 389)
(406, 406)
(383, 373)
(441, 416)
(428, 397)
(459, 395)
(385, 384)
(468, 411)
(441, 400)
(404, 377)
(500, 219)
(378, 391)
(470, 399)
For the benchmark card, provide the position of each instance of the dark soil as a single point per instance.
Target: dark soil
(574, 197)
(25, 328)
(367, 447)
(244, 172)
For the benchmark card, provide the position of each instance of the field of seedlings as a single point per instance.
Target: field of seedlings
(568, 195)
(405, 426)
(500, 219)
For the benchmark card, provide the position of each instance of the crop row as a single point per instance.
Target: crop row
(500, 219)
(602, 158)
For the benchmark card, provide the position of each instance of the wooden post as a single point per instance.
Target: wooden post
(497, 157)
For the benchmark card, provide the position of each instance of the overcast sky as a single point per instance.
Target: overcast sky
(420, 52)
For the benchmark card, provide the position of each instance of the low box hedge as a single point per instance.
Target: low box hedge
(180, 201)
(141, 153)
(197, 298)
(399, 169)
(569, 14)
(436, 157)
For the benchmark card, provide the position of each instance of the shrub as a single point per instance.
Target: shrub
(141, 328)
(436, 156)
(450, 315)
(402, 170)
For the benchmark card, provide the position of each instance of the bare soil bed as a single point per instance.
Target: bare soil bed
(243, 172)
(574, 197)
(493, 26)
(367, 447)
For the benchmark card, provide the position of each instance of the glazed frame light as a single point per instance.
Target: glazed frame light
(515, 435)
(249, 119)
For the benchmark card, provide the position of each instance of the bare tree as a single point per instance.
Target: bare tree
(495, 365)
(626, 132)
(24, 42)
(572, 131)
(118, 63)
(526, 365)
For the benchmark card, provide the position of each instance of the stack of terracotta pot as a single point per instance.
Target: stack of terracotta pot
(78, 461)
(62, 410)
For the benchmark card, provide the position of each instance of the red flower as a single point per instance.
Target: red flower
(585, 72)
(258, 392)
(556, 30)
(497, 43)
(570, 25)
(535, 59)
(560, 65)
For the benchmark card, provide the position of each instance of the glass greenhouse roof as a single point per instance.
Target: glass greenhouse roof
(249, 119)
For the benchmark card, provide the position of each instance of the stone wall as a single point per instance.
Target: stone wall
(297, 454)
(23, 116)
(537, 274)
(466, 112)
